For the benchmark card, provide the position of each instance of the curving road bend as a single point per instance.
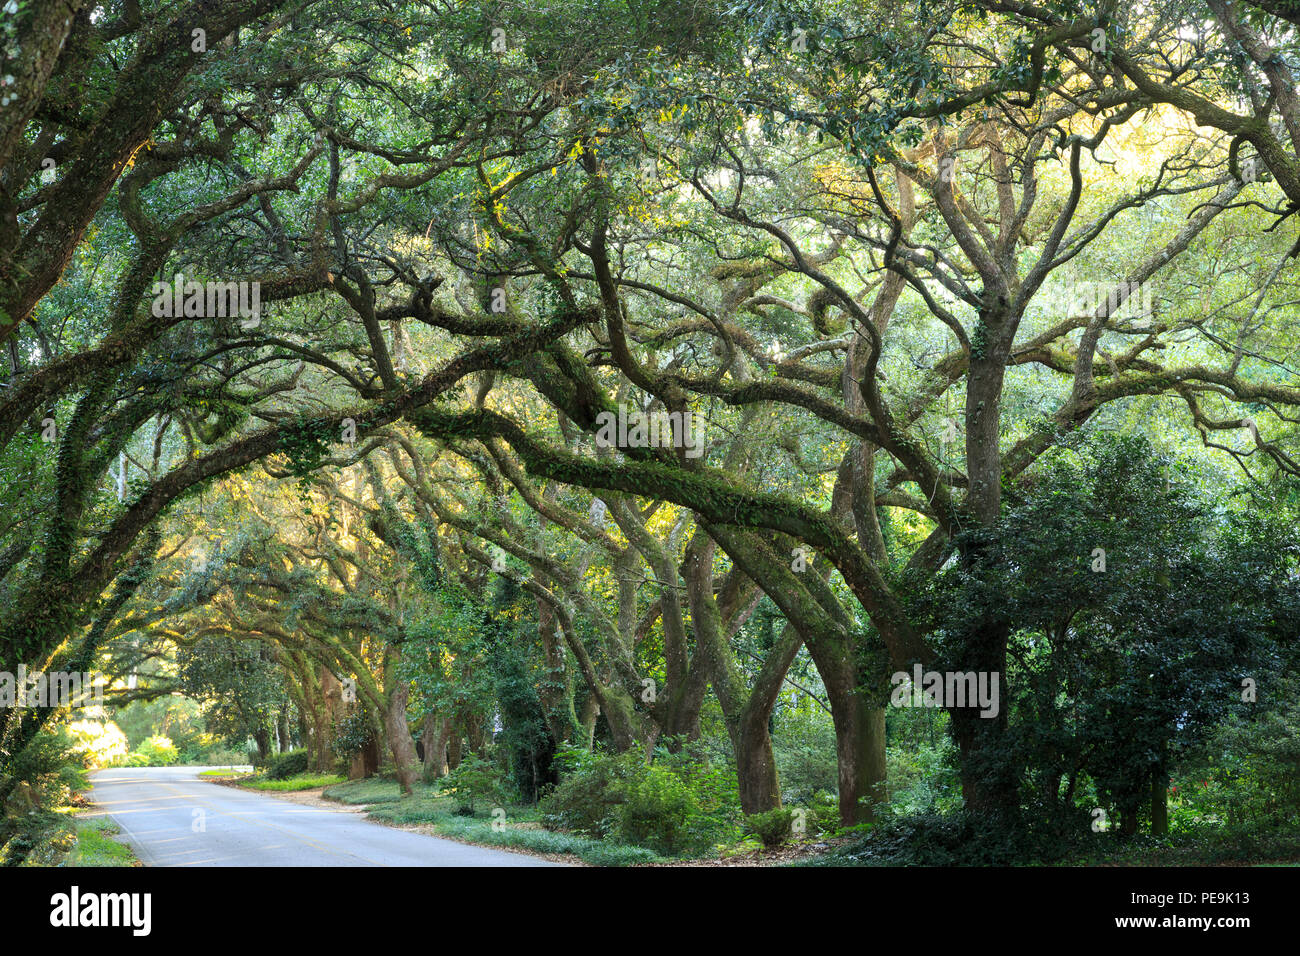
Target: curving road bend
(171, 817)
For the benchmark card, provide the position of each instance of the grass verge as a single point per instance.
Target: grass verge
(95, 845)
(304, 781)
(595, 852)
(427, 807)
(372, 790)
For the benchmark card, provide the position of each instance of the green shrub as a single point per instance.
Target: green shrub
(474, 781)
(100, 743)
(158, 751)
(352, 733)
(824, 812)
(803, 746)
(590, 791)
(773, 827)
(715, 817)
(286, 765)
(1248, 774)
(612, 854)
(41, 778)
(923, 778)
(968, 839)
(225, 758)
(682, 803)
(306, 781)
(655, 812)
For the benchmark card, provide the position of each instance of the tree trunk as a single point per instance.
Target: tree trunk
(620, 717)
(1128, 822)
(590, 711)
(434, 735)
(366, 763)
(860, 753)
(760, 787)
(307, 737)
(1159, 804)
(555, 689)
(263, 739)
(454, 750)
(747, 711)
(859, 730)
(989, 780)
(987, 785)
(329, 709)
(681, 716)
(399, 737)
(476, 735)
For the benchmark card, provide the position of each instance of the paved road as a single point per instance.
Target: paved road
(172, 818)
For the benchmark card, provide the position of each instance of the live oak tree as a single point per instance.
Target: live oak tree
(891, 258)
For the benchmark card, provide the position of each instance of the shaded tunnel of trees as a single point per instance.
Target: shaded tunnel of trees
(429, 384)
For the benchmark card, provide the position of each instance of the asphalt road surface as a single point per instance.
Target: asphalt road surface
(170, 817)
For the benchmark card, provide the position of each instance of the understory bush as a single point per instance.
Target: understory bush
(656, 807)
(924, 779)
(99, 743)
(677, 805)
(773, 827)
(157, 751)
(969, 839)
(37, 787)
(1248, 776)
(590, 791)
(473, 783)
(803, 746)
(286, 765)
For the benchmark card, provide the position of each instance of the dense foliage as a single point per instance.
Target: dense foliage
(595, 414)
